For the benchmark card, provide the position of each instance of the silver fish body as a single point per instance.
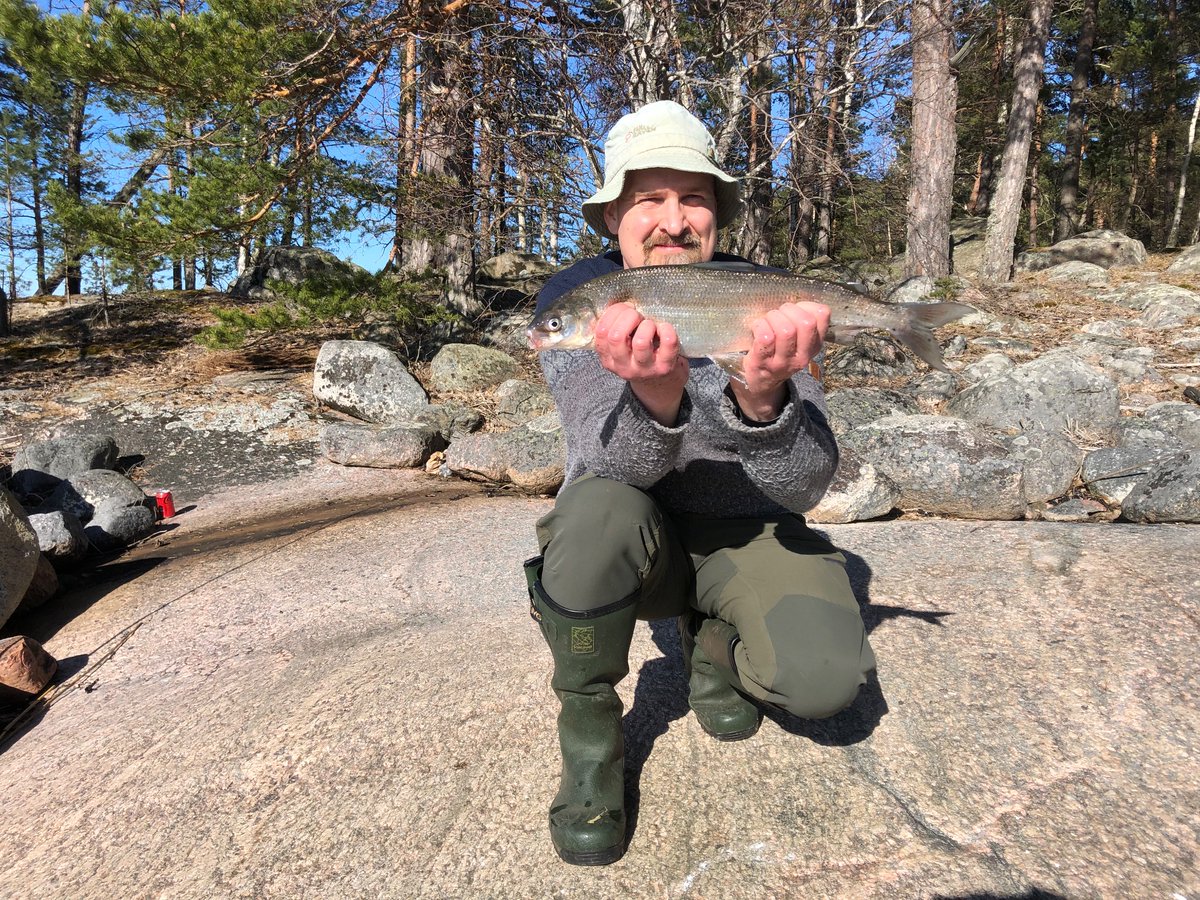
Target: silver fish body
(712, 305)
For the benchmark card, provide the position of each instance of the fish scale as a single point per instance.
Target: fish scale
(712, 305)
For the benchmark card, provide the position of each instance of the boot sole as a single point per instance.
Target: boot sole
(730, 736)
(591, 857)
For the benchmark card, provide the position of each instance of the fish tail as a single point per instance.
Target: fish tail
(916, 333)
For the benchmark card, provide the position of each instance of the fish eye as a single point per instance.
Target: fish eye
(554, 323)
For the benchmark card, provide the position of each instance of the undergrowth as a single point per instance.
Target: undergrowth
(411, 306)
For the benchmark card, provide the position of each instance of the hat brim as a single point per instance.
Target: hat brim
(729, 203)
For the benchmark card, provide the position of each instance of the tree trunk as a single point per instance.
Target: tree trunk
(934, 98)
(1035, 189)
(649, 27)
(39, 226)
(755, 242)
(999, 244)
(447, 161)
(1173, 233)
(1067, 220)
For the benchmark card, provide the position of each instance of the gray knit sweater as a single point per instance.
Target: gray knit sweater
(711, 462)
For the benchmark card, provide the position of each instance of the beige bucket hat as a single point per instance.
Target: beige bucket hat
(660, 135)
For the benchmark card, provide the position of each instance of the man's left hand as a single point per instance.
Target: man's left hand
(785, 341)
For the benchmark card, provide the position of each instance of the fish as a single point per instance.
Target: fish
(712, 305)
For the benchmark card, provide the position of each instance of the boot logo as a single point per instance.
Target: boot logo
(583, 639)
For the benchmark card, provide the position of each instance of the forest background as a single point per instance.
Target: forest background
(147, 141)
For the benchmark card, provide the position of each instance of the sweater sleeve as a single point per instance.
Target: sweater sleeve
(607, 428)
(792, 460)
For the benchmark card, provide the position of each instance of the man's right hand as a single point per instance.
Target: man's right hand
(646, 354)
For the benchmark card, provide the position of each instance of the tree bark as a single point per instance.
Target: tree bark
(1067, 219)
(755, 238)
(649, 27)
(1173, 233)
(999, 244)
(934, 99)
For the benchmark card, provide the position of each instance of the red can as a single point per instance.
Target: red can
(165, 503)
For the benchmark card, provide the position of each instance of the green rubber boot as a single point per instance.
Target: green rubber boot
(722, 712)
(591, 656)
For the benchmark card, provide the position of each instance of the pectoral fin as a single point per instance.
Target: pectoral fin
(732, 364)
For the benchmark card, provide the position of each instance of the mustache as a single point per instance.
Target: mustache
(687, 240)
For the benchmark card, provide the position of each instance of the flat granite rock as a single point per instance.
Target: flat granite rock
(345, 697)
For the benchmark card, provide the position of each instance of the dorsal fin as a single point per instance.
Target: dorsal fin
(731, 265)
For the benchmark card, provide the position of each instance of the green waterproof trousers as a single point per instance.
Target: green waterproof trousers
(788, 624)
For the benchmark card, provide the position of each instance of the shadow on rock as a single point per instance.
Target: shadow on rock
(1031, 894)
(86, 587)
(850, 726)
(873, 615)
(18, 718)
(659, 700)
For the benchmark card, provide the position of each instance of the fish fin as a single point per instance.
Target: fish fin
(844, 334)
(917, 332)
(731, 265)
(732, 364)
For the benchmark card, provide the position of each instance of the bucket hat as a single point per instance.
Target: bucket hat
(660, 135)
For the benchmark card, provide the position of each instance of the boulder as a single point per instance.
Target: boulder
(1055, 392)
(469, 367)
(367, 381)
(86, 492)
(870, 356)
(1169, 493)
(1102, 247)
(986, 367)
(40, 466)
(25, 667)
(380, 447)
(852, 407)
(532, 457)
(519, 401)
(60, 536)
(943, 466)
(858, 492)
(115, 524)
(1050, 462)
(1111, 473)
(513, 268)
(1170, 312)
(43, 586)
(1141, 296)
(449, 420)
(1187, 262)
(1182, 420)
(934, 387)
(967, 237)
(1078, 272)
(506, 331)
(294, 266)
(19, 554)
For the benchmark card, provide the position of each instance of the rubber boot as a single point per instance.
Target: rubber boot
(591, 656)
(722, 712)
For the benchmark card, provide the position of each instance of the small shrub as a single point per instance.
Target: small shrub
(410, 305)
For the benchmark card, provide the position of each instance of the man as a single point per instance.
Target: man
(682, 495)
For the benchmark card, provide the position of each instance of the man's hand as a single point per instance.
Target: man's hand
(785, 341)
(646, 354)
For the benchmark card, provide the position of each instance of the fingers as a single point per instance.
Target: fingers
(785, 341)
(633, 346)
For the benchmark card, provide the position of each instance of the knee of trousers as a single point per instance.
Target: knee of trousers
(817, 688)
(598, 543)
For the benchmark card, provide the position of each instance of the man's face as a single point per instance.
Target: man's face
(664, 216)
